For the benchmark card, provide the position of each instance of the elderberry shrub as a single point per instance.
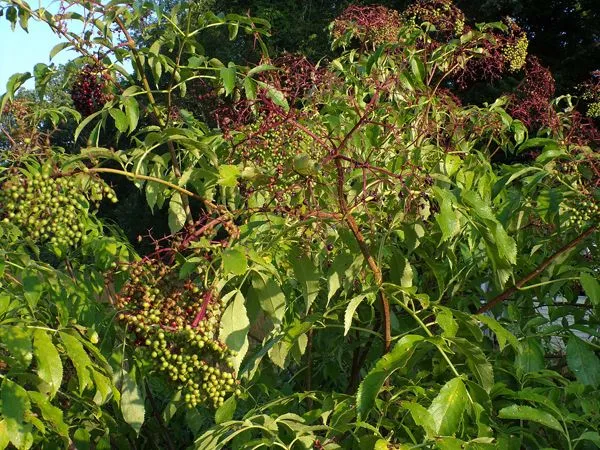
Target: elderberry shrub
(177, 326)
(51, 210)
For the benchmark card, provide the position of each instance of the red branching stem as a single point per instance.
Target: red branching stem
(202, 312)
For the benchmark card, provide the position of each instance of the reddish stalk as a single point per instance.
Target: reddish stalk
(531, 275)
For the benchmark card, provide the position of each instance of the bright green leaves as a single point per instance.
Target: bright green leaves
(51, 414)
(235, 326)
(270, 297)
(228, 75)
(477, 362)
(445, 414)
(226, 411)
(591, 287)
(14, 407)
(235, 261)
(502, 334)
(522, 412)
(228, 175)
(132, 401)
(530, 356)
(17, 340)
(448, 407)
(397, 358)
(12, 86)
(447, 220)
(336, 273)
(501, 248)
(49, 364)
(177, 214)
(308, 278)
(80, 359)
(132, 110)
(583, 362)
(351, 308)
(120, 118)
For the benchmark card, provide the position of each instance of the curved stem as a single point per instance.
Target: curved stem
(154, 179)
(537, 271)
(430, 334)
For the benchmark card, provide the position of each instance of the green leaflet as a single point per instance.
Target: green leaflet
(15, 404)
(398, 357)
(502, 334)
(49, 364)
(348, 315)
(591, 287)
(270, 297)
(521, 412)
(308, 277)
(79, 357)
(234, 261)
(583, 362)
(132, 401)
(17, 340)
(50, 413)
(477, 362)
(448, 407)
(235, 326)
(225, 412)
(177, 214)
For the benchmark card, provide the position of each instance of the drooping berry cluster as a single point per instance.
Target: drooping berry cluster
(531, 101)
(295, 78)
(51, 210)
(177, 325)
(278, 156)
(580, 216)
(90, 89)
(504, 51)
(371, 25)
(447, 19)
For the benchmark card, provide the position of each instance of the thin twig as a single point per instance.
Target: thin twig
(531, 275)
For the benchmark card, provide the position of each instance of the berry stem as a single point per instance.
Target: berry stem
(137, 176)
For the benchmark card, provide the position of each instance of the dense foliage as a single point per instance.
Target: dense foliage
(356, 257)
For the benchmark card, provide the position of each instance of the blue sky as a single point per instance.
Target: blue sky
(20, 51)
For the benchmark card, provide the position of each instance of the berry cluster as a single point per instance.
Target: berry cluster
(371, 25)
(583, 214)
(447, 19)
(177, 325)
(591, 95)
(50, 209)
(278, 155)
(503, 51)
(296, 76)
(531, 101)
(90, 92)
